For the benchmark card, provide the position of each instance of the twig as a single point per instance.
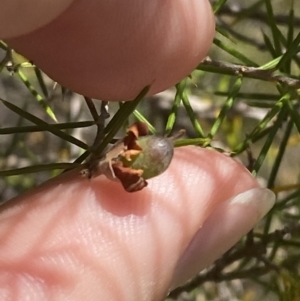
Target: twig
(279, 234)
(251, 72)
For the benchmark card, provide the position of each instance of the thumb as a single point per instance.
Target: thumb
(76, 239)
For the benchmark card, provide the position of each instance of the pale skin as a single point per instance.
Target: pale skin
(75, 238)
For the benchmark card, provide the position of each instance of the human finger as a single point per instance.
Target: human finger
(111, 50)
(74, 238)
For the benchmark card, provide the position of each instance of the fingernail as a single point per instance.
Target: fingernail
(263, 199)
(224, 227)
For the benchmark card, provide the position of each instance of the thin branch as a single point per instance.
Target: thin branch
(250, 72)
(279, 234)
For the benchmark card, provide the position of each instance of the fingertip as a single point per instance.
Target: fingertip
(224, 227)
(127, 45)
(140, 235)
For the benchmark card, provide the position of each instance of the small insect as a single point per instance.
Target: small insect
(135, 158)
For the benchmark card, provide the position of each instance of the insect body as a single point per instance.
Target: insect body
(134, 159)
